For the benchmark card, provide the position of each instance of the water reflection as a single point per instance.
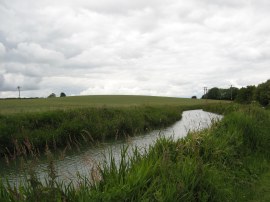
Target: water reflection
(82, 161)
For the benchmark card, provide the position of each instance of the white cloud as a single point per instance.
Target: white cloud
(170, 48)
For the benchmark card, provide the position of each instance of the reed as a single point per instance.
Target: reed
(222, 163)
(27, 132)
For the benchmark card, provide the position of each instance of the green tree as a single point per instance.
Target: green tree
(228, 94)
(225, 94)
(62, 94)
(262, 93)
(246, 95)
(52, 95)
(214, 94)
(234, 92)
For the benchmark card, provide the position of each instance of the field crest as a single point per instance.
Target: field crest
(47, 104)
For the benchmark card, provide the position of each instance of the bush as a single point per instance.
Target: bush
(62, 94)
(262, 93)
(52, 95)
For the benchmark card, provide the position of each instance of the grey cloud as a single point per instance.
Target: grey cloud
(227, 3)
(2, 50)
(170, 48)
(121, 6)
(30, 70)
(94, 58)
(69, 85)
(4, 41)
(32, 52)
(9, 82)
(1, 80)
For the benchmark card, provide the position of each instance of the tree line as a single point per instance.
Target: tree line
(244, 95)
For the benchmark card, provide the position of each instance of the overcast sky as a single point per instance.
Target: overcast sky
(139, 47)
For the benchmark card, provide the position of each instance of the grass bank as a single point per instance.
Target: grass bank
(31, 132)
(30, 125)
(223, 163)
(60, 128)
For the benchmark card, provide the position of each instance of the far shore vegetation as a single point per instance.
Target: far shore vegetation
(244, 95)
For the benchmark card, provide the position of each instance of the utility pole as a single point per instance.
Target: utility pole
(231, 92)
(19, 89)
(205, 92)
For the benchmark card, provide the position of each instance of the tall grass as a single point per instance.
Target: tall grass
(27, 132)
(218, 164)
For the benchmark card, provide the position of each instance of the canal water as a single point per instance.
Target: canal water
(81, 161)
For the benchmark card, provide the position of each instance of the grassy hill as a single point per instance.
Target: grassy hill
(47, 104)
(62, 121)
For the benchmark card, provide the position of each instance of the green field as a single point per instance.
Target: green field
(47, 104)
(61, 121)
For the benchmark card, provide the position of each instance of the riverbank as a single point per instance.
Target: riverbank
(24, 133)
(80, 160)
(222, 163)
(34, 125)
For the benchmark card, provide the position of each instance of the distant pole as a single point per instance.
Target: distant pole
(19, 89)
(205, 92)
(231, 92)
